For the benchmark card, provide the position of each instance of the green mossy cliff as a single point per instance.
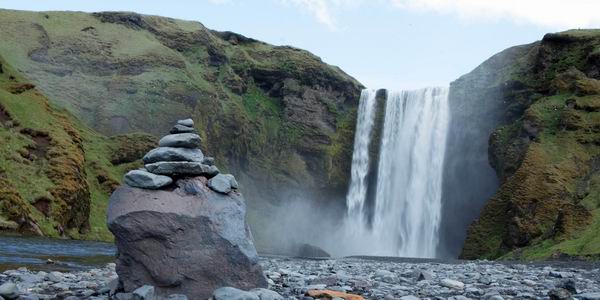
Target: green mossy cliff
(277, 116)
(546, 149)
(55, 173)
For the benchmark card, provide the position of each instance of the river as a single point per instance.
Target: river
(67, 255)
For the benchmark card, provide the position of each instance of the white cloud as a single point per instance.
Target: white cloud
(550, 13)
(324, 11)
(557, 14)
(320, 9)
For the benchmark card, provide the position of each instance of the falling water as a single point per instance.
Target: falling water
(407, 208)
(360, 157)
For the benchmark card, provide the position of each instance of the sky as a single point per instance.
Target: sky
(395, 44)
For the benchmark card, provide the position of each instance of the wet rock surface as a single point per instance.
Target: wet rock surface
(183, 242)
(293, 278)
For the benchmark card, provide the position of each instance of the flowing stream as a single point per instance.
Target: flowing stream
(66, 255)
(405, 215)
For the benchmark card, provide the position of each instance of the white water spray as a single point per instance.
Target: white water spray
(407, 209)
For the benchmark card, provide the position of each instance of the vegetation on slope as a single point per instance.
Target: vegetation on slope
(55, 173)
(278, 116)
(547, 154)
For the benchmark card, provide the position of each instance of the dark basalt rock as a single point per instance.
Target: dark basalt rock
(146, 180)
(182, 129)
(186, 241)
(182, 168)
(173, 154)
(183, 140)
(307, 250)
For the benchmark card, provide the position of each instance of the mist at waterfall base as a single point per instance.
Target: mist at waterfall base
(419, 177)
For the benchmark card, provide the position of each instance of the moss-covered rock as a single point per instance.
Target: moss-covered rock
(56, 174)
(545, 153)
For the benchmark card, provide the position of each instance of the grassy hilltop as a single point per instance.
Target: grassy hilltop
(275, 116)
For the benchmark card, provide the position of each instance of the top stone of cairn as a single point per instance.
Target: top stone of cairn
(186, 122)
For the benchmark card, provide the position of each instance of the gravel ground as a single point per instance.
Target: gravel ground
(389, 278)
(382, 278)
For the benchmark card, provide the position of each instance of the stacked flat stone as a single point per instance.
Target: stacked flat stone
(179, 155)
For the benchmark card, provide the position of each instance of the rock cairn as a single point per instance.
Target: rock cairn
(179, 224)
(179, 155)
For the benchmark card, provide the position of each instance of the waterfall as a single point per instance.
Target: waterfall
(357, 192)
(407, 206)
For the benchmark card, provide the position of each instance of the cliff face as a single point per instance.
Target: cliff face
(477, 103)
(278, 113)
(545, 148)
(55, 174)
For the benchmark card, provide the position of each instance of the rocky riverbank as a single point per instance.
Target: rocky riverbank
(371, 279)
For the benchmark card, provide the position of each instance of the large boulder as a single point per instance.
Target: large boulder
(188, 241)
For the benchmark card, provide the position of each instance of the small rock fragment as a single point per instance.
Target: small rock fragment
(146, 180)
(569, 285)
(9, 291)
(177, 297)
(145, 292)
(223, 183)
(589, 296)
(209, 161)
(230, 293)
(124, 296)
(453, 284)
(329, 294)
(265, 294)
(559, 294)
(423, 275)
